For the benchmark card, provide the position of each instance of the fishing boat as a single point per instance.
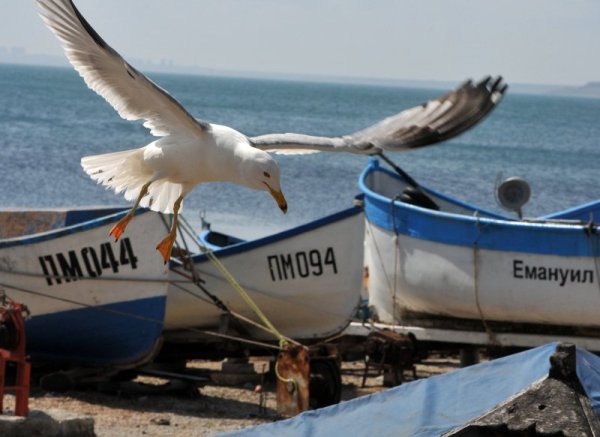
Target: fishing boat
(432, 257)
(306, 280)
(92, 301)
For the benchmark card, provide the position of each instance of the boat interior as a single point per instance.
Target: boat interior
(21, 222)
(393, 186)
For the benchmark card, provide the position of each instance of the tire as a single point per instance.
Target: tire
(325, 383)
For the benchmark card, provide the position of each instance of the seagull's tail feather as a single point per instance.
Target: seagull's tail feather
(125, 172)
(121, 171)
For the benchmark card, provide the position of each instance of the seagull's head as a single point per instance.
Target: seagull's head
(261, 172)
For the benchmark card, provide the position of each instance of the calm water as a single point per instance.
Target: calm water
(49, 120)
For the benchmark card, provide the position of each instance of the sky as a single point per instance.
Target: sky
(532, 41)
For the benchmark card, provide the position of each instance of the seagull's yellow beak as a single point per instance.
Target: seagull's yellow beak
(279, 198)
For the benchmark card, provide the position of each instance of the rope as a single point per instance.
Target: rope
(266, 345)
(232, 337)
(237, 287)
(396, 256)
(191, 293)
(213, 299)
(268, 326)
(84, 278)
(275, 297)
(379, 255)
(82, 304)
(392, 284)
(591, 232)
(136, 316)
(195, 278)
(285, 380)
(229, 311)
(258, 325)
(488, 330)
(283, 341)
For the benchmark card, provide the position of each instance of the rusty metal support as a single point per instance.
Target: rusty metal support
(11, 318)
(292, 369)
(390, 352)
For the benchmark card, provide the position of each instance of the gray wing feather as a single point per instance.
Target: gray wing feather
(290, 143)
(132, 94)
(436, 120)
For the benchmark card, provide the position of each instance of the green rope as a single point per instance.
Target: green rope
(283, 343)
(285, 380)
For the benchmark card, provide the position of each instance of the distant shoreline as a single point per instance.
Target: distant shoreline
(589, 90)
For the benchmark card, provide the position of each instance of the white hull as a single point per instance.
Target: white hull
(307, 281)
(466, 263)
(93, 301)
(425, 277)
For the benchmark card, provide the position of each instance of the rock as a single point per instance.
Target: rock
(163, 421)
(51, 423)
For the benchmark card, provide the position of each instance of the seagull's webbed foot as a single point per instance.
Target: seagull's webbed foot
(118, 229)
(165, 247)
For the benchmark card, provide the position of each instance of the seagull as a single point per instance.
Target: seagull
(189, 151)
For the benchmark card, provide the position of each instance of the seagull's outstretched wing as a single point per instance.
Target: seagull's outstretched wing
(434, 121)
(132, 94)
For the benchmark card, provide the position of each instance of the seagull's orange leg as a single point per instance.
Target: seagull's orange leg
(166, 245)
(119, 228)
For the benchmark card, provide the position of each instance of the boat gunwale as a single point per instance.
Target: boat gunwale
(543, 221)
(66, 230)
(426, 224)
(374, 166)
(247, 245)
(204, 235)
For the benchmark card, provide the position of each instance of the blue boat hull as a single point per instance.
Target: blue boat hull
(122, 333)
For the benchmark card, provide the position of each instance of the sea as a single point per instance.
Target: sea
(49, 119)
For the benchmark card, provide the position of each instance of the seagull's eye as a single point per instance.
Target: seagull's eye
(267, 175)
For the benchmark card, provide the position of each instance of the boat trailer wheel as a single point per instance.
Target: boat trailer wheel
(325, 382)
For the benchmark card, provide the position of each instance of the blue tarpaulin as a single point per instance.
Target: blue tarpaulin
(432, 406)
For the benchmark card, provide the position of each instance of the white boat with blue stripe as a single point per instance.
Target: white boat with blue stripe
(306, 280)
(93, 301)
(433, 256)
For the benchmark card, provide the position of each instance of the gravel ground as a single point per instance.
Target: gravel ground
(206, 411)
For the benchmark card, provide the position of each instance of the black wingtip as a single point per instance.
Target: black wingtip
(89, 29)
(483, 83)
(497, 83)
(466, 84)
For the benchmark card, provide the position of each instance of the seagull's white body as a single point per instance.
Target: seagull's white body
(175, 164)
(191, 151)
